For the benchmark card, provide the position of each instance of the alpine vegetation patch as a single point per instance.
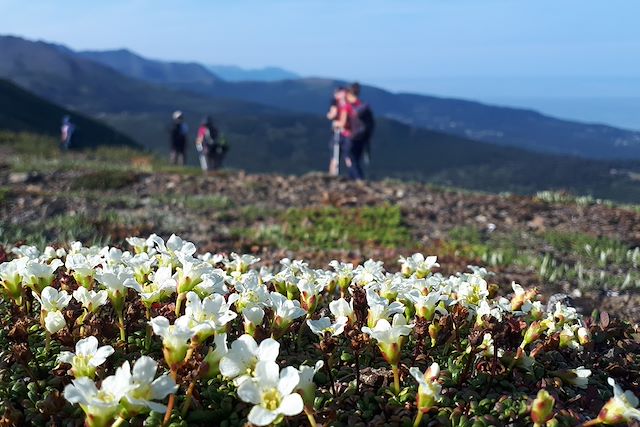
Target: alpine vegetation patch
(162, 335)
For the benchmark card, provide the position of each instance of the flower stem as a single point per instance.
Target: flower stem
(123, 334)
(47, 342)
(418, 420)
(179, 300)
(172, 401)
(118, 422)
(329, 374)
(396, 379)
(188, 398)
(310, 417)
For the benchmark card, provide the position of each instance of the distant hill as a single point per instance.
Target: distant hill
(132, 65)
(21, 111)
(269, 139)
(499, 125)
(267, 74)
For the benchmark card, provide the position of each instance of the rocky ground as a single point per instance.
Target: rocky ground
(275, 216)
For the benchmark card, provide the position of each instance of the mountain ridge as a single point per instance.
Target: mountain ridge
(269, 139)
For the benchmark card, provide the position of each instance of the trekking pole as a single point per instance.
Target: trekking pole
(336, 152)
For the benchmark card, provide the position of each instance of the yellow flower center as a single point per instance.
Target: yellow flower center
(271, 399)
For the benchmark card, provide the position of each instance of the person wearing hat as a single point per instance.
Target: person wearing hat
(179, 132)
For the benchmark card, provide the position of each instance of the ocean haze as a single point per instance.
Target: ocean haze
(612, 100)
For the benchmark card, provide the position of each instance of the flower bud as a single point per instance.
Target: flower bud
(434, 329)
(542, 407)
(532, 334)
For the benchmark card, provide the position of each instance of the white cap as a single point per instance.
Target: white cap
(177, 114)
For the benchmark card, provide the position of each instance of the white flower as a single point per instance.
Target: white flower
(191, 272)
(116, 278)
(271, 391)
(472, 290)
(371, 271)
(487, 347)
(212, 283)
(252, 292)
(90, 300)
(428, 386)
(145, 387)
(213, 357)
(309, 290)
(51, 253)
(322, 325)
(54, 321)
(342, 308)
(28, 252)
(86, 358)
(213, 259)
(426, 305)
(419, 265)
(175, 337)
(240, 263)
(620, 408)
(11, 277)
(162, 285)
(253, 317)
(285, 310)
(484, 309)
(38, 275)
(379, 308)
(142, 266)
(112, 256)
(53, 300)
(208, 315)
(240, 362)
(83, 267)
(172, 249)
(306, 387)
(138, 244)
(579, 377)
(390, 336)
(344, 273)
(101, 405)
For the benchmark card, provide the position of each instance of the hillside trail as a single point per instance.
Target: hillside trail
(233, 211)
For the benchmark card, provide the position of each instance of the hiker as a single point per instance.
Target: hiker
(356, 124)
(337, 105)
(211, 145)
(179, 131)
(66, 133)
(361, 126)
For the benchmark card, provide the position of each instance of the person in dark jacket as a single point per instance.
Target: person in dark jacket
(179, 131)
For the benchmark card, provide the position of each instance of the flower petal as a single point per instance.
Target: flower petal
(261, 416)
(144, 370)
(268, 372)
(269, 350)
(289, 378)
(249, 392)
(291, 405)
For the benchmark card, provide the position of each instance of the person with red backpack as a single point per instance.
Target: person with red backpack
(358, 125)
(211, 145)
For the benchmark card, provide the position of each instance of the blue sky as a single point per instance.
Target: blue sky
(484, 49)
